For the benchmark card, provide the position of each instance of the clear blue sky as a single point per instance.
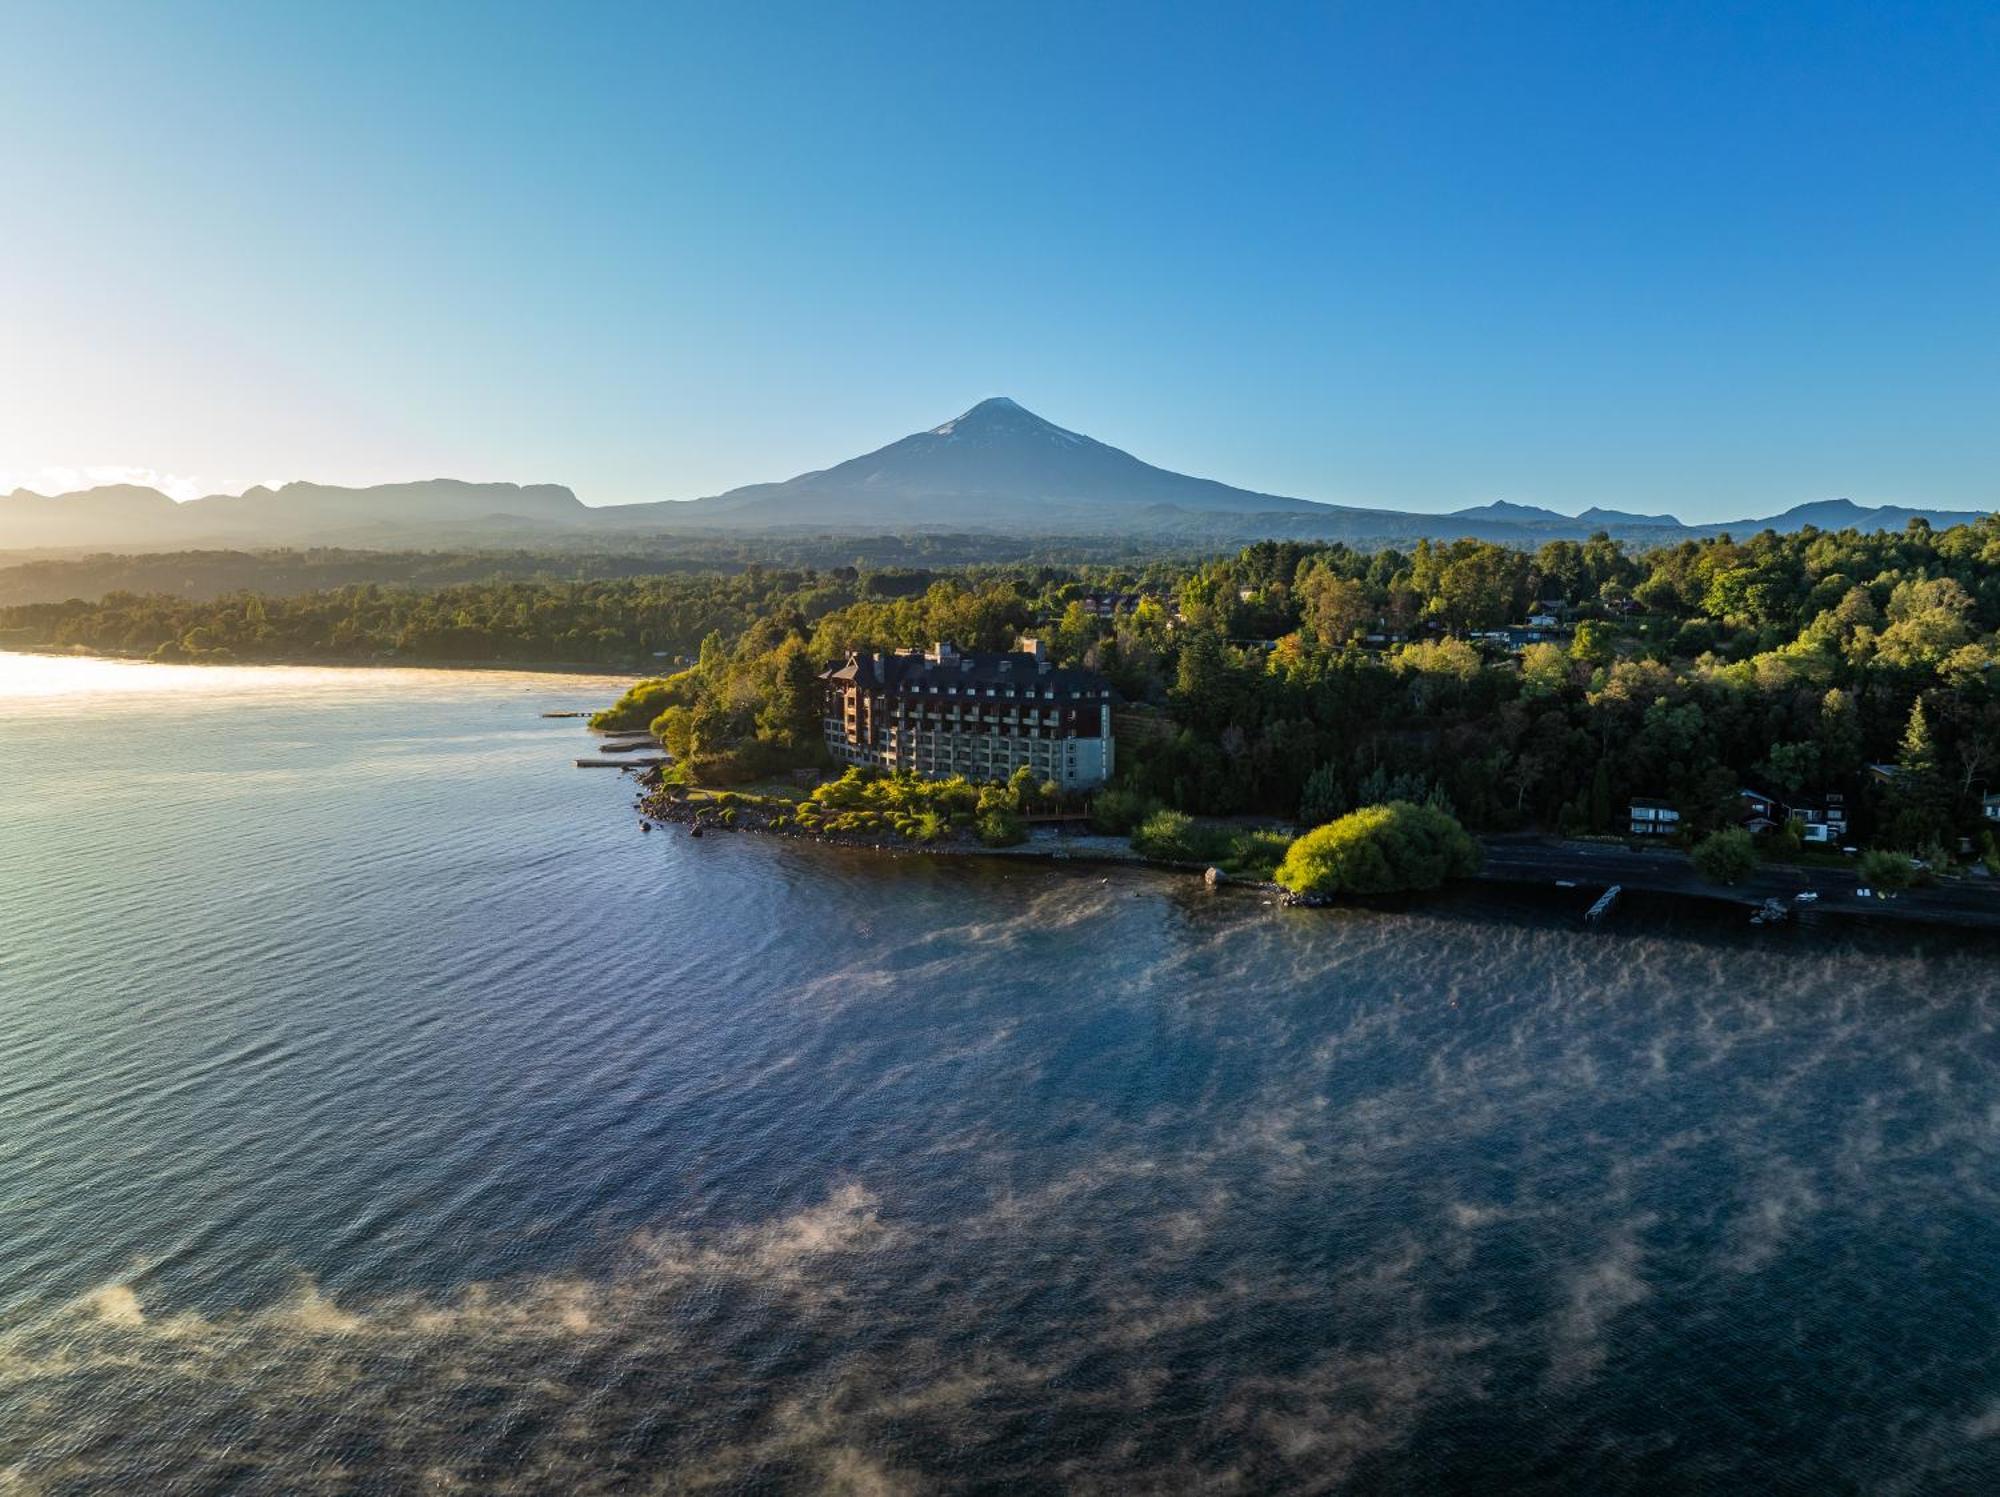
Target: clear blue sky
(1702, 257)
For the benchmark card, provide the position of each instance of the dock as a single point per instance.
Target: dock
(630, 761)
(1604, 903)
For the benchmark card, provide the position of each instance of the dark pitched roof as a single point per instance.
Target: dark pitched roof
(913, 670)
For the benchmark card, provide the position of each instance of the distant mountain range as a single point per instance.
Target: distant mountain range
(998, 468)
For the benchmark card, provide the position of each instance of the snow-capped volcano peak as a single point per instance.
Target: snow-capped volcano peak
(995, 414)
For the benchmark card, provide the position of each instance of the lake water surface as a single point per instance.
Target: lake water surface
(381, 1112)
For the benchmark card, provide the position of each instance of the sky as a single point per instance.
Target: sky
(1715, 259)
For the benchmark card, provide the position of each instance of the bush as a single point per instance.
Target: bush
(675, 730)
(1175, 837)
(1116, 813)
(1887, 870)
(1002, 828)
(1726, 857)
(645, 701)
(1380, 850)
(1256, 854)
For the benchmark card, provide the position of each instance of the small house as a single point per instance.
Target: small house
(1821, 821)
(1757, 813)
(1652, 818)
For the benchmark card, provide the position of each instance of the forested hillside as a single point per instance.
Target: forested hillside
(1296, 679)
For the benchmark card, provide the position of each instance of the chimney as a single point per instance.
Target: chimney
(940, 653)
(1032, 645)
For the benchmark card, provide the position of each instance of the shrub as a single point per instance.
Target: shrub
(1117, 812)
(1175, 837)
(1887, 870)
(1380, 850)
(645, 701)
(675, 730)
(1256, 854)
(1002, 828)
(1726, 857)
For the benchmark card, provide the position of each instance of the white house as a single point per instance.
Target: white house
(1653, 818)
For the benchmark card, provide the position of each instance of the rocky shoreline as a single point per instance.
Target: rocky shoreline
(667, 806)
(1509, 861)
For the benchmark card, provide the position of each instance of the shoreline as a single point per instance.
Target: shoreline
(321, 662)
(1582, 869)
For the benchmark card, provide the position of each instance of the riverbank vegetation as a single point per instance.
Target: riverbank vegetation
(1389, 849)
(870, 805)
(1297, 682)
(1726, 857)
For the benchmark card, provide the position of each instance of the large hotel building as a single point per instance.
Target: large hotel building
(941, 712)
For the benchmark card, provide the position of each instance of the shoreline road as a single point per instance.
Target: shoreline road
(1969, 903)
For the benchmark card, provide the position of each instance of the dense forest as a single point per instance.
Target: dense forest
(206, 575)
(1293, 679)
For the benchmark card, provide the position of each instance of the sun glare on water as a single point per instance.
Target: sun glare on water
(61, 680)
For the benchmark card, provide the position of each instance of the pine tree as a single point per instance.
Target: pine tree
(1921, 799)
(1918, 755)
(1324, 796)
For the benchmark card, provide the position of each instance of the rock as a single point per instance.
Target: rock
(1213, 877)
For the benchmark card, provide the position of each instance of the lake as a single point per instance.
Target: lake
(381, 1112)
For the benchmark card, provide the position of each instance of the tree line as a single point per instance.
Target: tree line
(1294, 679)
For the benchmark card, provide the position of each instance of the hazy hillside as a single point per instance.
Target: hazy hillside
(440, 509)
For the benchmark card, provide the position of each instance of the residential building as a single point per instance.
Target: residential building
(943, 711)
(1652, 818)
(1110, 605)
(1824, 820)
(1758, 813)
(1515, 637)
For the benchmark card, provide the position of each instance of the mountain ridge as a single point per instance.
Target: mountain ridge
(996, 468)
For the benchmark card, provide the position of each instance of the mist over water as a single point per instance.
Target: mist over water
(381, 1112)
